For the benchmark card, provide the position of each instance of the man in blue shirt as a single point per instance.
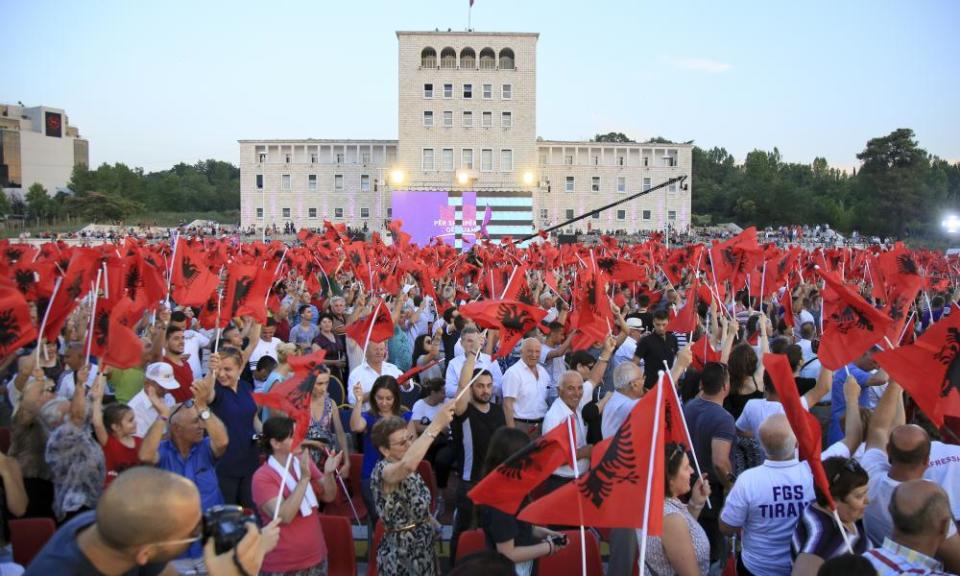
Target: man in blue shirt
(862, 371)
(187, 452)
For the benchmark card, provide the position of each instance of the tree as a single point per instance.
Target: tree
(5, 207)
(39, 203)
(612, 137)
(659, 140)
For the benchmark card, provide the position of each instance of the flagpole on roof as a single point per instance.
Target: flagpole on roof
(654, 444)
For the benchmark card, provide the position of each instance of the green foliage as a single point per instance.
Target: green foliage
(118, 192)
(611, 137)
(39, 203)
(899, 191)
(5, 206)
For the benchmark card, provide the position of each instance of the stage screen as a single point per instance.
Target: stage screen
(456, 217)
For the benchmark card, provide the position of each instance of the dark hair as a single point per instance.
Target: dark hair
(808, 330)
(753, 324)
(171, 330)
(178, 316)
(580, 358)
(302, 308)
(385, 383)
(433, 385)
(503, 444)
(779, 345)
(847, 564)
(844, 475)
(794, 355)
(277, 428)
(113, 414)
(713, 378)
(380, 434)
(742, 365)
(672, 459)
(936, 302)
(266, 363)
(643, 300)
(419, 348)
(661, 314)
(484, 563)
(554, 326)
(477, 372)
(448, 314)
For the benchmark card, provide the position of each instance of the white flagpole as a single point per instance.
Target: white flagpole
(93, 315)
(173, 258)
(654, 444)
(843, 531)
(366, 341)
(763, 278)
(576, 477)
(509, 281)
(216, 344)
(283, 482)
(46, 316)
(683, 418)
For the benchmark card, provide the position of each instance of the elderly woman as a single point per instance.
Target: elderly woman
(28, 439)
(77, 465)
(402, 499)
(817, 537)
(683, 548)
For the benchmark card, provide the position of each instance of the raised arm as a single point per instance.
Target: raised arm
(466, 374)
(78, 404)
(202, 390)
(96, 416)
(254, 336)
(600, 366)
(396, 472)
(878, 433)
(824, 384)
(730, 329)
(149, 453)
(853, 425)
(357, 423)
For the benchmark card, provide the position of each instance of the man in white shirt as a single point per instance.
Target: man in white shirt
(809, 364)
(626, 350)
(470, 338)
(552, 351)
(73, 359)
(267, 345)
(193, 341)
(572, 390)
(374, 366)
(525, 390)
(158, 380)
(898, 454)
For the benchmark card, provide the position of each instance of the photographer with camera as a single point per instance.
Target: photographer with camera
(302, 549)
(519, 541)
(129, 533)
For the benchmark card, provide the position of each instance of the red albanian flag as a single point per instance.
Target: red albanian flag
(612, 493)
(735, 258)
(292, 396)
(124, 349)
(850, 325)
(703, 352)
(929, 369)
(621, 271)
(192, 281)
(376, 327)
(76, 283)
(511, 318)
(16, 328)
(686, 319)
(245, 293)
(510, 483)
(679, 259)
(805, 425)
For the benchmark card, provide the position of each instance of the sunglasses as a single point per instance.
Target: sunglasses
(188, 404)
(677, 450)
(851, 465)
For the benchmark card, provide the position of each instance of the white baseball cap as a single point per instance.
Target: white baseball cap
(162, 374)
(635, 323)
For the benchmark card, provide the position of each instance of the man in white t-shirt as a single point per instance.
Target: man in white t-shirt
(525, 390)
(552, 351)
(374, 366)
(572, 390)
(158, 380)
(627, 349)
(470, 338)
(73, 360)
(267, 345)
(193, 341)
(897, 454)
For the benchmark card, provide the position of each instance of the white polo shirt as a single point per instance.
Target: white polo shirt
(529, 391)
(144, 414)
(366, 375)
(555, 366)
(452, 378)
(556, 416)
(68, 381)
(759, 409)
(767, 501)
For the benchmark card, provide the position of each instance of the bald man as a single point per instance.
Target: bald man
(525, 390)
(131, 535)
(921, 518)
(897, 453)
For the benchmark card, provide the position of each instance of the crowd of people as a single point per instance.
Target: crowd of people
(136, 463)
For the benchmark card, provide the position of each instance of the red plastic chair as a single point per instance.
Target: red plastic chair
(378, 532)
(425, 469)
(470, 541)
(28, 536)
(341, 555)
(567, 561)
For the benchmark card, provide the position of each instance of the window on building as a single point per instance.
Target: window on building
(448, 58)
(595, 184)
(647, 215)
(506, 160)
(671, 215)
(506, 59)
(428, 58)
(428, 90)
(466, 158)
(428, 118)
(646, 184)
(446, 159)
(426, 161)
(312, 182)
(467, 91)
(259, 181)
(364, 212)
(448, 118)
(621, 184)
(311, 212)
(468, 59)
(570, 182)
(486, 160)
(544, 214)
(621, 160)
(364, 158)
(506, 91)
(467, 119)
(621, 214)
(285, 182)
(448, 90)
(338, 183)
(364, 182)
(568, 159)
(487, 91)
(339, 157)
(313, 157)
(488, 59)
(260, 213)
(286, 212)
(262, 157)
(286, 159)
(569, 213)
(487, 119)
(646, 160)
(338, 212)
(506, 119)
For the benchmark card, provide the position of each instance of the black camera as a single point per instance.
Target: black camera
(560, 540)
(227, 525)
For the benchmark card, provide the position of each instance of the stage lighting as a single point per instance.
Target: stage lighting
(951, 224)
(396, 177)
(528, 178)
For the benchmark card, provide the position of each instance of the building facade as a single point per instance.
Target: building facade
(467, 123)
(38, 145)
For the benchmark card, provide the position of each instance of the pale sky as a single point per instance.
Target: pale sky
(151, 84)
